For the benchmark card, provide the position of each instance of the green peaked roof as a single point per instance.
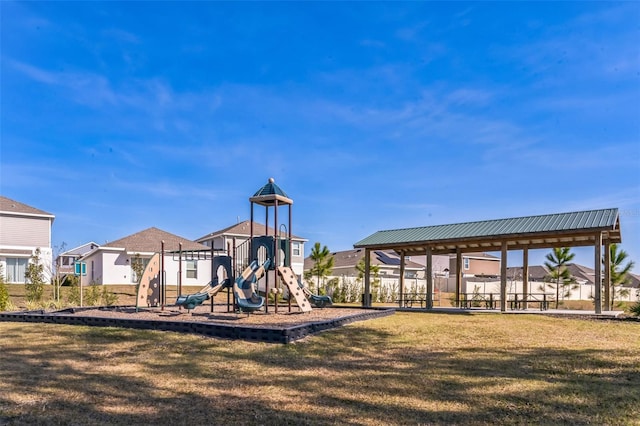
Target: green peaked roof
(550, 224)
(270, 194)
(271, 188)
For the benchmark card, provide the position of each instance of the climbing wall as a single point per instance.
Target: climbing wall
(149, 288)
(291, 281)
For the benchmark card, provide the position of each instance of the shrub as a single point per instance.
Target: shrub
(92, 295)
(635, 309)
(73, 296)
(108, 298)
(4, 296)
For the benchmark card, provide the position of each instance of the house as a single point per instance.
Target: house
(230, 239)
(388, 263)
(113, 263)
(583, 275)
(66, 260)
(476, 264)
(23, 230)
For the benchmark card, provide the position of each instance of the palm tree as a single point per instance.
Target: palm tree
(618, 273)
(557, 262)
(323, 263)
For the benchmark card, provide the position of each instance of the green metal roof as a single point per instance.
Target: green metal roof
(271, 188)
(584, 221)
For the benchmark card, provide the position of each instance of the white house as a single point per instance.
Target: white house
(23, 230)
(239, 234)
(112, 262)
(66, 260)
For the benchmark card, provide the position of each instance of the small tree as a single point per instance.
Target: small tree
(618, 273)
(323, 264)
(34, 288)
(559, 276)
(138, 266)
(57, 279)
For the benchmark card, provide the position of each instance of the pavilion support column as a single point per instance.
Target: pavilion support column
(525, 276)
(598, 273)
(458, 276)
(401, 298)
(503, 278)
(367, 278)
(429, 277)
(607, 276)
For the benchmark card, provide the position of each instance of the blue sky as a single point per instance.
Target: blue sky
(124, 115)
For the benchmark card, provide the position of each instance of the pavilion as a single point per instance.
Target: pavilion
(597, 228)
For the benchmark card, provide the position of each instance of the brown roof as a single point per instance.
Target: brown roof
(580, 272)
(243, 229)
(350, 258)
(11, 206)
(150, 239)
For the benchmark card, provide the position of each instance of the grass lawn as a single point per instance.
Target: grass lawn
(409, 368)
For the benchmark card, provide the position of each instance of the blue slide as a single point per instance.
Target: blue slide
(190, 301)
(244, 289)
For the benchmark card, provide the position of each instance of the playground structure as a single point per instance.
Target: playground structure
(256, 269)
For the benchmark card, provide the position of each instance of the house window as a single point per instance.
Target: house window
(466, 262)
(296, 249)
(192, 269)
(16, 268)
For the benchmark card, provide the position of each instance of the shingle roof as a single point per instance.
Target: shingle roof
(350, 258)
(584, 221)
(7, 205)
(581, 272)
(243, 229)
(150, 239)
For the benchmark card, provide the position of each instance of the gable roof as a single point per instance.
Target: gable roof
(243, 229)
(150, 240)
(543, 231)
(580, 272)
(350, 258)
(7, 205)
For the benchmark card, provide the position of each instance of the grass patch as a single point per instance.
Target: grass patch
(408, 368)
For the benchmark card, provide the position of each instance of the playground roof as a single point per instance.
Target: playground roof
(269, 194)
(543, 231)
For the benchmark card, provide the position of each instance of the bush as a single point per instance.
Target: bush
(73, 296)
(108, 299)
(635, 309)
(4, 296)
(92, 295)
